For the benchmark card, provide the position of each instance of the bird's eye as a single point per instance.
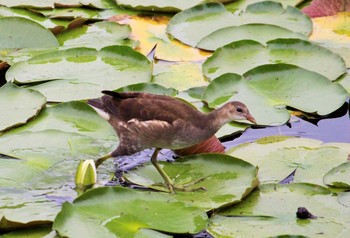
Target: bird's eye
(239, 110)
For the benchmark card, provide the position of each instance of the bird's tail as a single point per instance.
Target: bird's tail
(96, 102)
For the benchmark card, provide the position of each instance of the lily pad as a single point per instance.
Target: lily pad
(17, 32)
(79, 69)
(97, 35)
(33, 208)
(18, 105)
(272, 208)
(68, 130)
(277, 157)
(292, 86)
(258, 32)
(240, 5)
(338, 176)
(149, 88)
(226, 179)
(234, 57)
(123, 212)
(53, 24)
(159, 5)
(179, 75)
(193, 24)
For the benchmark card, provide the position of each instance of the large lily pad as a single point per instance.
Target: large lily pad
(193, 24)
(277, 157)
(258, 32)
(338, 176)
(17, 32)
(56, 25)
(121, 212)
(61, 132)
(179, 75)
(98, 35)
(79, 69)
(159, 5)
(18, 105)
(234, 57)
(226, 179)
(272, 208)
(292, 86)
(240, 5)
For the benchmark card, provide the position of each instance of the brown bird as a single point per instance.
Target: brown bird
(144, 120)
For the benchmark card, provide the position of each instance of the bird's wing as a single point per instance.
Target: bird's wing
(138, 135)
(148, 108)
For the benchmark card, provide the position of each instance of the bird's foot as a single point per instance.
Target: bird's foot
(185, 187)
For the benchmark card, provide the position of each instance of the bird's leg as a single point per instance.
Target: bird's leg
(172, 187)
(166, 178)
(102, 159)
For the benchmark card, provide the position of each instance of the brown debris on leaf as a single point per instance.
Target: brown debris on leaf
(320, 8)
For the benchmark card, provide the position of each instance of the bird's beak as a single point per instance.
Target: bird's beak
(251, 118)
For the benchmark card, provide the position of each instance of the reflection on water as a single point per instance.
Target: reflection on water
(334, 128)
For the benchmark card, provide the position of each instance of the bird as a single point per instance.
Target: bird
(144, 120)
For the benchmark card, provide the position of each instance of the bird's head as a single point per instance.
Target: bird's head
(238, 111)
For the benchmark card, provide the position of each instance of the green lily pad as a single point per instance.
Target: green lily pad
(272, 208)
(292, 86)
(234, 57)
(31, 233)
(345, 82)
(17, 32)
(18, 105)
(242, 4)
(118, 211)
(79, 69)
(33, 208)
(54, 24)
(193, 24)
(98, 35)
(159, 5)
(258, 32)
(338, 176)
(149, 88)
(68, 130)
(226, 179)
(179, 75)
(55, 3)
(277, 157)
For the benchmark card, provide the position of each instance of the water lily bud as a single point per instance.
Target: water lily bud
(85, 176)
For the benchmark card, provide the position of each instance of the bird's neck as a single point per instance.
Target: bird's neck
(218, 118)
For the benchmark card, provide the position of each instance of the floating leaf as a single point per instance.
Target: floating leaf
(179, 75)
(192, 25)
(148, 88)
(242, 4)
(159, 5)
(98, 35)
(226, 179)
(338, 176)
(277, 157)
(18, 105)
(82, 73)
(239, 57)
(17, 32)
(272, 208)
(123, 212)
(257, 32)
(55, 25)
(292, 86)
